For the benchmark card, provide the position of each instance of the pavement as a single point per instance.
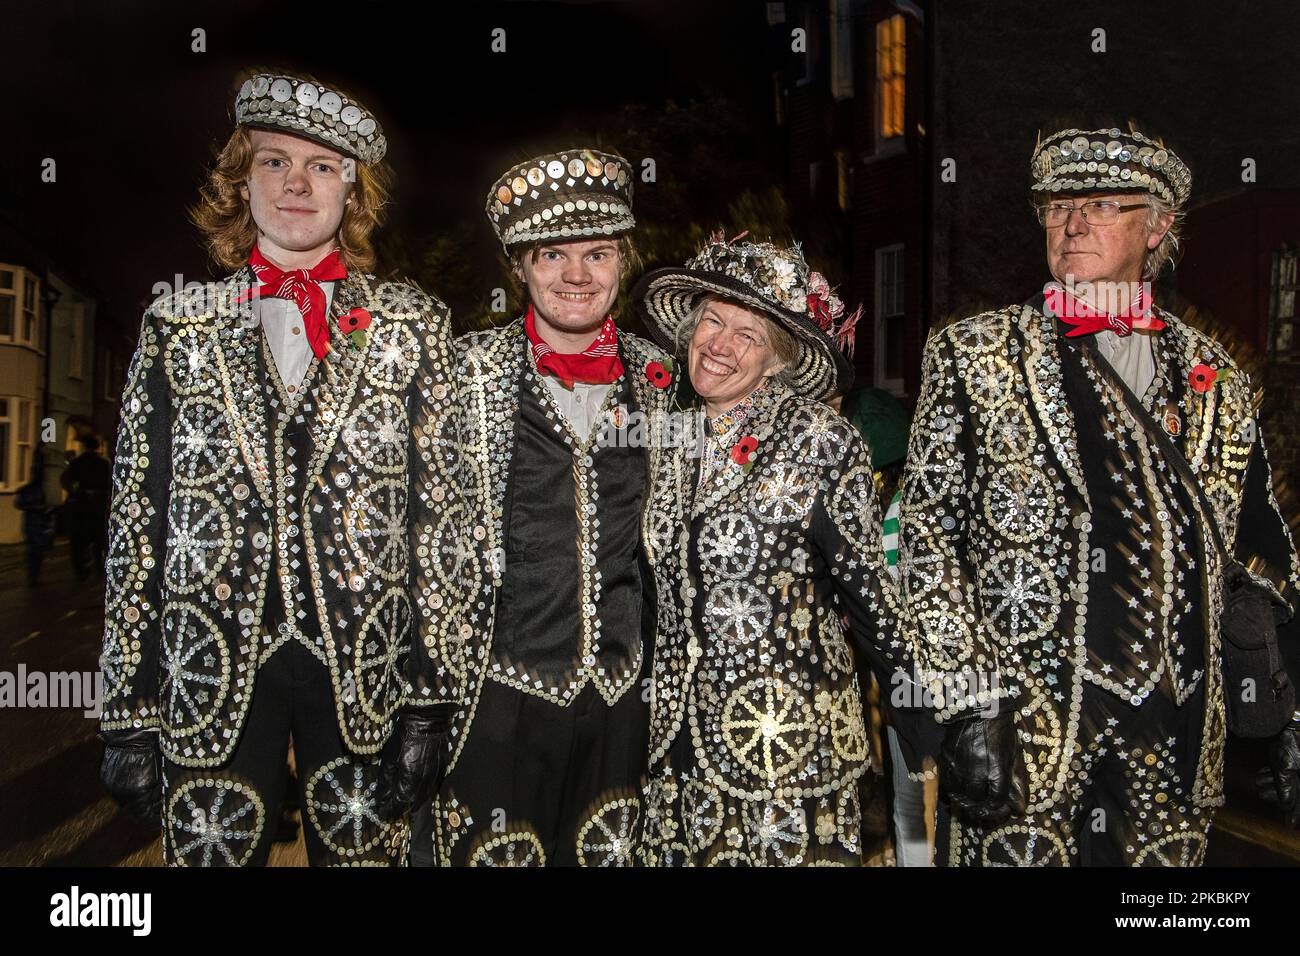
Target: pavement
(53, 811)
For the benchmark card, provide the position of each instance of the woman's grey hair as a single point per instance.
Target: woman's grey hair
(783, 343)
(1166, 253)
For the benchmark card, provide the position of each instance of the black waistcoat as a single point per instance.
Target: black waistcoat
(571, 601)
(1136, 500)
(288, 425)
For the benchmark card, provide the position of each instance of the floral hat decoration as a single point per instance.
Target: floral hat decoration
(773, 280)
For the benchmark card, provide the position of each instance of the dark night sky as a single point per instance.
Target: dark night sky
(1215, 78)
(115, 95)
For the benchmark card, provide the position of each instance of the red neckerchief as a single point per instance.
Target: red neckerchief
(597, 364)
(302, 286)
(1085, 320)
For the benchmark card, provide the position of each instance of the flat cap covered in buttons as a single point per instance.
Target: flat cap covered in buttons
(1108, 160)
(575, 194)
(303, 107)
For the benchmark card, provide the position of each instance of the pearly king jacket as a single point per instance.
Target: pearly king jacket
(1001, 564)
(199, 520)
(491, 366)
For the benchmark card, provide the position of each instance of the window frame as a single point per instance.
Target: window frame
(6, 432)
(77, 345)
(882, 253)
(26, 328)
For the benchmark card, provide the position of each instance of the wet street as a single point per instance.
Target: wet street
(55, 814)
(53, 810)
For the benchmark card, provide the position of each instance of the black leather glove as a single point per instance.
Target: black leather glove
(132, 773)
(414, 761)
(1279, 782)
(981, 773)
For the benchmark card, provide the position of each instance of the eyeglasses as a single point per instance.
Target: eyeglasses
(1095, 212)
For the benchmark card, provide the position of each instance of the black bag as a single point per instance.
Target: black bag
(1259, 694)
(1257, 690)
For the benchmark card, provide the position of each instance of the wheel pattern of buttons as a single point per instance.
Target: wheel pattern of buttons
(341, 806)
(521, 848)
(214, 821)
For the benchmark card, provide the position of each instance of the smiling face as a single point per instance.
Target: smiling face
(296, 193)
(572, 286)
(730, 354)
(1109, 253)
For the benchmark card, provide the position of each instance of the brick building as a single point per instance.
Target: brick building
(849, 96)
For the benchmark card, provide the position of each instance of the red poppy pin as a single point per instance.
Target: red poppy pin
(742, 453)
(660, 374)
(1202, 378)
(354, 326)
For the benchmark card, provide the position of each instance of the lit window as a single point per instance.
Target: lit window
(18, 427)
(891, 68)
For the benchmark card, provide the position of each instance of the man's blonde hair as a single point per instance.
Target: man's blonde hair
(226, 221)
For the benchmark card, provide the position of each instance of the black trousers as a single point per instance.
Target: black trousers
(227, 816)
(541, 785)
(1127, 802)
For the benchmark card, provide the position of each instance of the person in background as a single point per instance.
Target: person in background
(87, 480)
(38, 522)
(882, 420)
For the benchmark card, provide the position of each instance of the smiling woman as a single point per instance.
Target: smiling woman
(731, 349)
(757, 730)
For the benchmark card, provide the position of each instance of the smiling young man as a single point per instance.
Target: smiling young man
(282, 528)
(549, 751)
(1063, 573)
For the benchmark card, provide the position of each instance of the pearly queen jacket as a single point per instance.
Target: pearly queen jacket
(491, 366)
(999, 554)
(758, 572)
(198, 521)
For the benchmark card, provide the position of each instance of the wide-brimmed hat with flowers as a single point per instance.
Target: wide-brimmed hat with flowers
(773, 280)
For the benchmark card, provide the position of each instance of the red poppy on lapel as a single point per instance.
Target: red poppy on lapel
(354, 326)
(1201, 378)
(743, 451)
(660, 374)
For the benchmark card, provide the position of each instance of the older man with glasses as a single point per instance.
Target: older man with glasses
(1085, 485)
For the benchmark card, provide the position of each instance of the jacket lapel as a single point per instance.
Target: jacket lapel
(337, 372)
(495, 369)
(1043, 373)
(1175, 356)
(767, 412)
(238, 349)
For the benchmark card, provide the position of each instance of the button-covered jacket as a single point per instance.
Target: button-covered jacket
(198, 521)
(998, 550)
